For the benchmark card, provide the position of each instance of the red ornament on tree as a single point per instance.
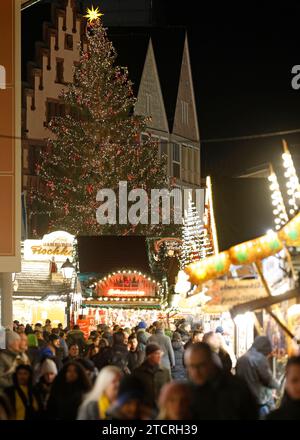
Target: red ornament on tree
(90, 188)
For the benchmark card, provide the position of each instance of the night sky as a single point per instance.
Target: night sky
(242, 54)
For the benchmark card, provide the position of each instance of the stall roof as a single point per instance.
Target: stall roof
(105, 254)
(242, 209)
(35, 280)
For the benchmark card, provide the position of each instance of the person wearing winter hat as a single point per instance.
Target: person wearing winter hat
(220, 330)
(142, 336)
(50, 352)
(9, 358)
(47, 373)
(152, 374)
(253, 367)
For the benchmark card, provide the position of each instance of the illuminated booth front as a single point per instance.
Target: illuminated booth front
(117, 282)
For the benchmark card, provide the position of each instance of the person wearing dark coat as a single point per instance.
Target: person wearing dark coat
(178, 371)
(142, 336)
(164, 341)
(135, 356)
(73, 351)
(67, 392)
(23, 398)
(47, 373)
(76, 336)
(101, 359)
(290, 405)
(253, 367)
(152, 374)
(119, 353)
(184, 330)
(116, 355)
(216, 395)
(197, 336)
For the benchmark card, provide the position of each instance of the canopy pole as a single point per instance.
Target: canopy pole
(269, 309)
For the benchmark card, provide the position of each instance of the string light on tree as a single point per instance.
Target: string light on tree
(279, 211)
(292, 184)
(96, 145)
(196, 244)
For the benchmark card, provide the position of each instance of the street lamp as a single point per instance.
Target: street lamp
(68, 270)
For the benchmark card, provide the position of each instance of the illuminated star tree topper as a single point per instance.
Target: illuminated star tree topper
(93, 14)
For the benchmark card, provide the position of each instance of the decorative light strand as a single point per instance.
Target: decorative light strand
(196, 244)
(279, 211)
(126, 273)
(292, 184)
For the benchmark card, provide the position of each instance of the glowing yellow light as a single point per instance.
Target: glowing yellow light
(93, 14)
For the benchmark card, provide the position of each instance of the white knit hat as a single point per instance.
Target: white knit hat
(11, 337)
(48, 366)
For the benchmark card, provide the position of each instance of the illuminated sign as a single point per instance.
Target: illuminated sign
(127, 283)
(58, 244)
(173, 245)
(126, 292)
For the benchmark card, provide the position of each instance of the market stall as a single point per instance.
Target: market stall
(117, 281)
(41, 289)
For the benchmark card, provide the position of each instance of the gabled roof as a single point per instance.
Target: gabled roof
(242, 209)
(168, 43)
(32, 25)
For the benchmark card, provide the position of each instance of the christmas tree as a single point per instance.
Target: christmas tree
(196, 243)
(95, 145)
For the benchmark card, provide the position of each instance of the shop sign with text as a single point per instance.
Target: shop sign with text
(58, 244)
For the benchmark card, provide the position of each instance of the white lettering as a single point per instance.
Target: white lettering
(296, 79)
(108, 207)
(141, 207)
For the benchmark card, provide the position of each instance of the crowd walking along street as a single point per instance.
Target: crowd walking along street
(146, 274)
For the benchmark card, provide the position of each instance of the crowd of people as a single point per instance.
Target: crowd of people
(140, 373)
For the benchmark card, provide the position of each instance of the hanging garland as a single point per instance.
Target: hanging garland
(245, 253)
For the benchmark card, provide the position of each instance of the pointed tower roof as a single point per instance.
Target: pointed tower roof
(168, 45)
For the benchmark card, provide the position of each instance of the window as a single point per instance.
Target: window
(54, 108)
(184, 156)
(148, 104)
(176, 160)
(60, 71)
(33, 157)
(163, 147)
(69, 42)
(185, 112)
(176, 152)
